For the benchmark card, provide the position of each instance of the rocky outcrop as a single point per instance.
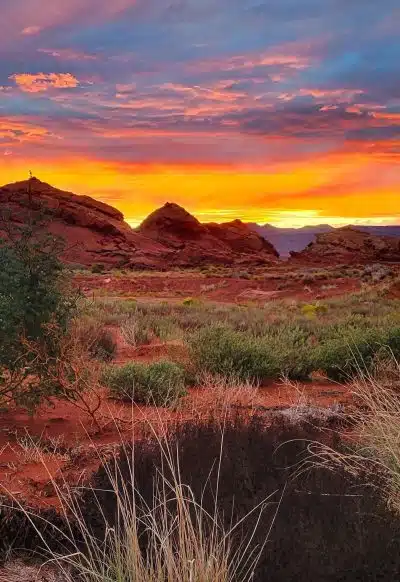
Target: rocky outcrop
(349, 245)
(196, 243)
(241, 239)
(286, 240)
(94, 232)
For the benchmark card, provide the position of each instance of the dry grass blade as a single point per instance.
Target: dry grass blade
(374, 441)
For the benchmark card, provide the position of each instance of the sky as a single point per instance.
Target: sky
(279, 111)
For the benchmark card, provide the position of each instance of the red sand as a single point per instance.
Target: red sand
(224, 290)
(77, 443)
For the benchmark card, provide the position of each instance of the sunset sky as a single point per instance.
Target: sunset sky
(280, 111)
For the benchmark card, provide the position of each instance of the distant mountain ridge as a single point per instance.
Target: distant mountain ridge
(286, 240)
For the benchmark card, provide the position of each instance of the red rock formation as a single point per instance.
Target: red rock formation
(96, 233)
(93, 231)
(240, 238)
(349, 245)
(196, 243)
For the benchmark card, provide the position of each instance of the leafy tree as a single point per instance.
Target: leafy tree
(36, 305)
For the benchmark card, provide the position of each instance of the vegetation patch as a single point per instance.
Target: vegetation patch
(159, 383)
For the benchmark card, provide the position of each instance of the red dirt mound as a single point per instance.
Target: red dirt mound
(93, 231)
(349, 245)
(197, 243)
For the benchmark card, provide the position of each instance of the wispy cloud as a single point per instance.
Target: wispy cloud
(68, 54)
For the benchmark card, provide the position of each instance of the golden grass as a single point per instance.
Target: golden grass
(373, 436)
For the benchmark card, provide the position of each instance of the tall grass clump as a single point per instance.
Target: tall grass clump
(94, 337)
(374, 450)
(160, 383)
(114, 532)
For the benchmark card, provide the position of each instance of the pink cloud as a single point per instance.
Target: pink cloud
(333, 96)
(31, 30)
(42, 81)
(68, 54)
(250, 61)
(45, 15)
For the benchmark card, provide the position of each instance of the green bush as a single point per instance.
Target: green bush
(392, 341)
(221, 350)
(282, 351)
(350, 352)
(292, 348)
(160, 383)
(36, 306)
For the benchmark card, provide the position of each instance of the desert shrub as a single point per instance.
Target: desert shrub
(189, 301)
(281, 351)
(392, 341)
(220, 350)
(98, 341)
(164, 328)
(313, 309)
(36, 307)
(293, 350)
(104, 347)
(160, 383)
(135, 333)
(349, 352)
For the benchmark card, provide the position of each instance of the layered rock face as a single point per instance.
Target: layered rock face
(196, 243)
(350, 245)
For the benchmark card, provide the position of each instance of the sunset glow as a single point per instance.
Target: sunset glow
(274, 111)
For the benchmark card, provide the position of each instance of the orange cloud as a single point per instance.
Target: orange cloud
(20, 130)
(387, 116)
(250, 61)
(42, 81)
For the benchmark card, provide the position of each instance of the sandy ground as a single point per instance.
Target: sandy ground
(171, 288)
